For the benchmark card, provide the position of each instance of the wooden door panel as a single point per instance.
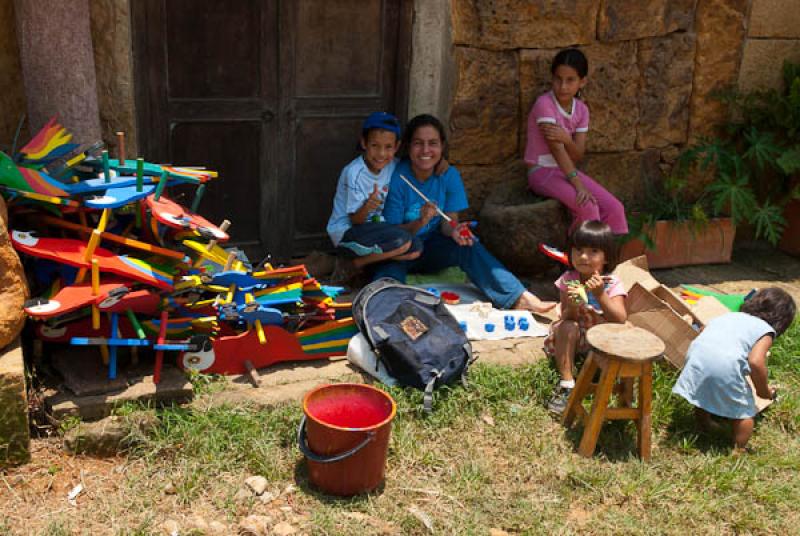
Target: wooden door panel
(339, 47)
(233, 150)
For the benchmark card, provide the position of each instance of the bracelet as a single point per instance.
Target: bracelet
(572, 174)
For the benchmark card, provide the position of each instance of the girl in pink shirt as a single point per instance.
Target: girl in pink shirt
(557, 127)
(590, 295)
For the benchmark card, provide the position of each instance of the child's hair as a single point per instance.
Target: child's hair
(594, 234)
(772, 305)
(423, 120)
(571, 57)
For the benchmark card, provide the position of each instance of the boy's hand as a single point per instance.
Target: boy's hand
(596, 285)
(442, 167)
(373, 202)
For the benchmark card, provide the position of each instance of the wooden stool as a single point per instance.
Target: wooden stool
(623, 352)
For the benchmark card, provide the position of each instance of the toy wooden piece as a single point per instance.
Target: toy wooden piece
(70, 298)
(121, 147)
(173, 215)
(106, 167)
(50, 143)
(136, 244)
(139, 174)
(554, 253)
(252, 373)
(73, 253)
(198, 196)
(162, 333)
(121, 300)
(620, 352)
(119, 197)
(40, 197)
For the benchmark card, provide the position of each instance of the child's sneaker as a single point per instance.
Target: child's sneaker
(558, 402)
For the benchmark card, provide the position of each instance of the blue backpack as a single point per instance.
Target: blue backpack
(413, 334)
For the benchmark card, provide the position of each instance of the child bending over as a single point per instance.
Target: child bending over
(731, 347)
(589, 296)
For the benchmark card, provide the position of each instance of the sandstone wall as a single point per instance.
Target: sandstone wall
(772, 37)
(653, 65)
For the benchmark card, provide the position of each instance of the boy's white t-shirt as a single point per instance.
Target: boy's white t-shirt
(356, 184)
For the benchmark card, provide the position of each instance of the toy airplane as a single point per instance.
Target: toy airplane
(173, 215)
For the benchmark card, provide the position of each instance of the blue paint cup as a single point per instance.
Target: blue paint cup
(463, 326)
(489, 327)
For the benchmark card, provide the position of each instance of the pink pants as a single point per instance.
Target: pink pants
(552, 182)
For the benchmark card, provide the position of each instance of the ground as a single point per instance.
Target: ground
(489, 459)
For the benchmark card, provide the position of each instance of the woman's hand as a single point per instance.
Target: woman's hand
(461, 234)
(553, 132)
(583, 195)
(427, 213)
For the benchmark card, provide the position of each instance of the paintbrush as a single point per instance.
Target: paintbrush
(465, 232)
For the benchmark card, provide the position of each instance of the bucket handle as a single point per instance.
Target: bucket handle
(302, 444)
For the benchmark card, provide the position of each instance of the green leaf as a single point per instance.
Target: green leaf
(789, 161)
(762, 149)
(733, 192)
(769, 222)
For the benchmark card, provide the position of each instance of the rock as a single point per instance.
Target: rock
(170, 527)
(627, 174)
(170, 489)
(255, 526)
(483, 119)
(14, 428)
(534, 79)
(774, 18)
(513, 24)
(283, 529)
(621, 20)
(106, 437)
(243, 494)
(514, 221)
(717, 59)
(612, 95)
(197, 524)
(13, 285)
(257, 483)
(480, 182)
(666, 65)
(497, 532)
(267, 497)
(762, 63)
(215, 527)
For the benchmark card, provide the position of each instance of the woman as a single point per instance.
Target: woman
(444, 244)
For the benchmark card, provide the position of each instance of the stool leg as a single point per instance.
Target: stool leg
(626, 392)
(645, 402)
(582, 386)
(594, 423)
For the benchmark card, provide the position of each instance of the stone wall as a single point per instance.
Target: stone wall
(653, 64)
(12, 92)
(772, 37)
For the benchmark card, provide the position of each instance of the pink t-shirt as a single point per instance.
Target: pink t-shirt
(546, 109)
(613, 287)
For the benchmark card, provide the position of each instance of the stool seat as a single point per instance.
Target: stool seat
(622, 353)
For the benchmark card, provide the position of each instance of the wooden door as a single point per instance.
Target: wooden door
(271, 93)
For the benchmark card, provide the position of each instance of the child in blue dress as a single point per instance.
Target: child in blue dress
(730, 348)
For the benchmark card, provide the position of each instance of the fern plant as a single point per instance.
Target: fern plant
(755, 161)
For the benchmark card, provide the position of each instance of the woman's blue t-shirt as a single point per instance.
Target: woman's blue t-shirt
(403, 204)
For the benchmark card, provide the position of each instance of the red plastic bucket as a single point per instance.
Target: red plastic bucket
(344, 436)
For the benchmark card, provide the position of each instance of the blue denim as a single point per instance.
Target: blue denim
(482, 268)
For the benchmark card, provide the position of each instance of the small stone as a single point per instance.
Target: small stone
(170, 527)
(169, 489)
(243, 495)
(288, 490)
(257, 483)
(497, 532)
(283, 529)
(267, 497)
(286, 509)
(255, 526)
(488, 419)
(196, 523)
(215, 527)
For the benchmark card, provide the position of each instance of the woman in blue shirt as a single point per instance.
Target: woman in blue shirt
(444, 244)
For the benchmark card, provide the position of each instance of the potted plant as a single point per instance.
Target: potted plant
(753, 167)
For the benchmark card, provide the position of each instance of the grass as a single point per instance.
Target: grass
(488, 457)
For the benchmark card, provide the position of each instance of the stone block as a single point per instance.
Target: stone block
(666, 65)
(13, 285)
(484, 117)
(12, 93)
(621, 20)
(514, 24)
(514, 221)
(762, 63)
(113, 60)
(717, 58)
(774, 18)
(612, 94)
(108, 436)
(14, 430)
(481, 181)
(625, 174)
(534, 79)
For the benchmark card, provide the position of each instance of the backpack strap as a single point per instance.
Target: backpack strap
(470, 360)
(427, 398)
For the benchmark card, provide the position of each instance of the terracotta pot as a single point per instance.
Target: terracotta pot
(681, 244)
(790, 240)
